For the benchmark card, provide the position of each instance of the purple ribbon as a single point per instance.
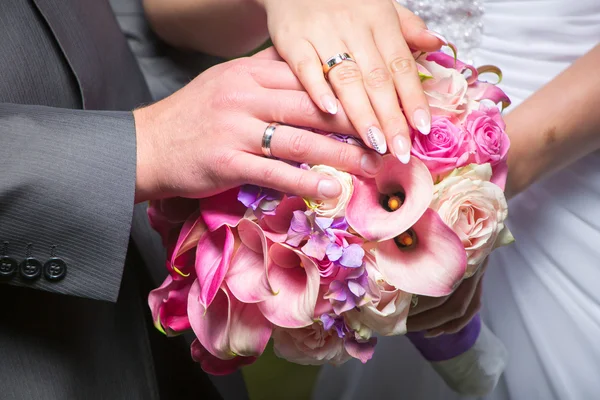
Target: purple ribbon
(445, 347)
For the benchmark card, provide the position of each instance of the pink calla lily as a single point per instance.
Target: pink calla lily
(421, 270)
(189, 236)
(228, 328)
(168, 214)
(222, 209)
(448, 61)
(168, 304)
(247, 275)
(295, 279)
(213, 257)
(215, 366)
(366, 215)
(488, 91)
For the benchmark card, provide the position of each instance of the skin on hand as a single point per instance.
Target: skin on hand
(448, 314)
(206, 138)
(379, 34)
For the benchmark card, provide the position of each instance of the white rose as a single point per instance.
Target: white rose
(446, 90)
(333, 208)
(475, 209)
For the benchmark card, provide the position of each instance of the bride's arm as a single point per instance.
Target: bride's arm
(557, 125)
(225, 28)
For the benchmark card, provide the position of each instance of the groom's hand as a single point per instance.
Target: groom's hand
(206, 138)
(448, 314)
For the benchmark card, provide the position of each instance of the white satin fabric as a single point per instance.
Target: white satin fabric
(541, 294)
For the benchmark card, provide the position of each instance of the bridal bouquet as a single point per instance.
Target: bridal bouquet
(322, 279)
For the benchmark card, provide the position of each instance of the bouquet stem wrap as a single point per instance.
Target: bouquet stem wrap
(470, 361)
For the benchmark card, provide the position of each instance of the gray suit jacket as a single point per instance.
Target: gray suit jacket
(73, 313)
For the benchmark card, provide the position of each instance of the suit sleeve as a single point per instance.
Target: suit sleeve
(67, 186)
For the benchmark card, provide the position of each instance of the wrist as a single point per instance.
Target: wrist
(147, 185)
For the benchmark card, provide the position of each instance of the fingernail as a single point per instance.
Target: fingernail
(371, 163)
(401, 149)
(422, 121)
(433, 333)
(329, 103)
(438, 36)
(377, 140)
(329, 188)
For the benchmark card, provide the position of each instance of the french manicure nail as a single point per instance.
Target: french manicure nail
(438, 36)
(329, 103)
(422, 121)
(376, 140)
(370, 163)
(329, 188)
(401, 148)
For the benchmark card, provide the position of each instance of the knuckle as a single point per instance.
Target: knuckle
(303, 67)
(403, 65)
(269, 174)
(345, 156)
(377, 78)
(299, 146)
(232, 99)
(307, 106)
(347, 73)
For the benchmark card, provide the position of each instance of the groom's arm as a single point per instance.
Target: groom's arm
(67, 187)
(224, 28)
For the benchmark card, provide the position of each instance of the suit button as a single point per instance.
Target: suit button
(8, 267)
(55, 269)
(30, 269)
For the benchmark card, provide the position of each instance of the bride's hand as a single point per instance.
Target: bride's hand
(449, 314)
(378, 34)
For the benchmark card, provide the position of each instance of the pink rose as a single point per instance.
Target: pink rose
(475, 209)
(488, 140)
(312, 345)
(444, 149)
(445, 89)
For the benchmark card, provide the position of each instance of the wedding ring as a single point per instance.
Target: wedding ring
(335, 61)
(414, 301)
(266, 139)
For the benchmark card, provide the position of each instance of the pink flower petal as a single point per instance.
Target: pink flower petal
(215, 366)
(488, 91)
(168, 214)
(500, 174)
(433, 267)
(249, 331)
(363, 351)
(280, 222)
(213, 256)
(367, 216)
(222, 209)
(247, 275)
(296, 287)
(211, 325)
(190, 234)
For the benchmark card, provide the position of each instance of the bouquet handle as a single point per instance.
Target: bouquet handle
(470, 361)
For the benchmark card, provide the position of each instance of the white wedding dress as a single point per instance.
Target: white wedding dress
(541, 294)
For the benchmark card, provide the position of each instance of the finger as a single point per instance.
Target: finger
(292, 107)
(458, 324)
(415, 32)
(403, 68)
(382, 95)
(455, 307)
(303, 146)
(275, 174)
(307, 66)
(427, 303)
(268, 54)
(347, 81)
(272, 74)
